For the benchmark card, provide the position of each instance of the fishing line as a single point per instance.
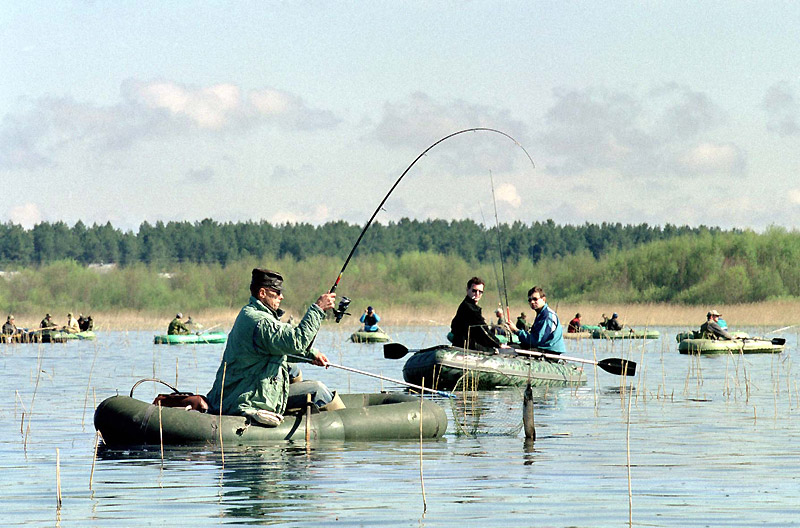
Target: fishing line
(344, 302)
(500, 249)
(494, 265)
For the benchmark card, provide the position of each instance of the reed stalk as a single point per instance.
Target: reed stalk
(33, 399)
(628, 461)
(58, 479)
(160, 434)
(221, 393)
(94, 458)
(308, 420)
(88, 384)
(421, 476)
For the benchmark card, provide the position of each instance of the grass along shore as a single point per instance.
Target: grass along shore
(765, 314)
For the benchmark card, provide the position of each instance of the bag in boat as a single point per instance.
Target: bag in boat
(187, 400)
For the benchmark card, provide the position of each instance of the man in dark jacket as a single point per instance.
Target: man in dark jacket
(469, 328)
(711, 328)
(613, 324)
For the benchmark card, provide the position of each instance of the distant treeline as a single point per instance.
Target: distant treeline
(698, 269)
(209, 242)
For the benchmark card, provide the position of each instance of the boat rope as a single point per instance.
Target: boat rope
(155, 380)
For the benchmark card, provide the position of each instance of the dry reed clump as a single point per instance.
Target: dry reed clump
(640, 316)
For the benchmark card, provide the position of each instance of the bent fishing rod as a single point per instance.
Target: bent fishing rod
(345, 302)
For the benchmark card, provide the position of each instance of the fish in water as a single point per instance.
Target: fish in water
(527, 413)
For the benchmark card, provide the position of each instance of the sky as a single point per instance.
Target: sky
(685, 113)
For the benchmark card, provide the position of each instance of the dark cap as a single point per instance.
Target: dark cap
(264, 278)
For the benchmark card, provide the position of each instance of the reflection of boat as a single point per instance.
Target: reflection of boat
(123, 420)
(369, 337)
(625, 334)
(691, 343)
(190, 339)
(443, 366)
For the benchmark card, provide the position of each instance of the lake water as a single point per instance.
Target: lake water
(709, 441)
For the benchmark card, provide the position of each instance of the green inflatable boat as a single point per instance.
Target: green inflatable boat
(369, 337)
(625, 334)
(191, 339)
(740, 345)
(441, 367)
(123, 420)
(56, 336)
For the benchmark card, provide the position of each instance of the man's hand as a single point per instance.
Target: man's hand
(320, 360)
(326, 301)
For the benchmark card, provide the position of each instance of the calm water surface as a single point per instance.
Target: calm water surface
(712, 441)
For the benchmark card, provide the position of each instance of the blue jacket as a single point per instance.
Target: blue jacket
(545, 334)
(370, 322)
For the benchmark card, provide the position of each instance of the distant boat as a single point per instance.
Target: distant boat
(625, 334)
(362, 336)
(201, 338)
(691, 343)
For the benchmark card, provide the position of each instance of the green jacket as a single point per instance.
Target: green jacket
(255, 363)
(176, 327)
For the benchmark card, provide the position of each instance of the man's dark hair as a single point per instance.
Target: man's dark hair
(536, 289)
(475, 280)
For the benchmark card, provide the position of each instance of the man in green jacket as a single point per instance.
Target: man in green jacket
(176, 326)
(255, 365)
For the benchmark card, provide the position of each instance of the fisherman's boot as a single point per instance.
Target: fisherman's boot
(334, 405)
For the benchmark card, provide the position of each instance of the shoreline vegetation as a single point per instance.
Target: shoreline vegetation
(752, 278)
(769, 315)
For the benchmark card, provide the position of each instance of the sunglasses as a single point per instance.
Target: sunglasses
(533, 299)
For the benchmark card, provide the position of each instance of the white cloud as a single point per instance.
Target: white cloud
(507, 192)
(709, 158)
(319, 214)
(148, 110)
(634, 136)
(27, 215)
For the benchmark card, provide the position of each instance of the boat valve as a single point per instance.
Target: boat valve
(341, 311)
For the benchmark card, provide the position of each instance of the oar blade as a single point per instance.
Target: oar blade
(618, 366)
(394, 351)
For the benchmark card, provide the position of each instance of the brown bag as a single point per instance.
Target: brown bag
(187, 400)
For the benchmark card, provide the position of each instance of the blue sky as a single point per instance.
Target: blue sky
(657, 112)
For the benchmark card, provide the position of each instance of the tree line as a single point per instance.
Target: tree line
(210, 242)
(705, 269)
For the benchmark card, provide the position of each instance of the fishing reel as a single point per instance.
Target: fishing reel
(341, 311)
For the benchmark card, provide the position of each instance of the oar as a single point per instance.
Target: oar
(611, 365)
(780, 329)
(384, 378)
(618, 366)
(774, 340)
(45, 328)
(210, 328)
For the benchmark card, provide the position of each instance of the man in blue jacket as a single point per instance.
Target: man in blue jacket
(546, 332)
